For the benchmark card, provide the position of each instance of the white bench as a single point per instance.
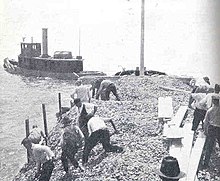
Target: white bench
(165, 111)
(172, 128)
(165, 107)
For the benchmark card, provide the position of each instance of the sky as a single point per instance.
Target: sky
(179, 34)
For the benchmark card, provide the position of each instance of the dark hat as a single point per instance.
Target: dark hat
(206, 79)
(26, 141)
(217, 88)
(77, 100)
(66, 120)
(170, 169)
(78, 82)
(215, 97)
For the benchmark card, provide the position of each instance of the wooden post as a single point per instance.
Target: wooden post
(137, 71)
(142, 40)
(45, 120)
(27, 129)
(60, 108)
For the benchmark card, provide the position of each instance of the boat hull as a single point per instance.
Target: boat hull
(14, 69)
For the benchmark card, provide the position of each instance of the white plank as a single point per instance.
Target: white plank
(183, 154)
(195, 157)
(165, 107)
(178, 118)
(172, 128)
(174, 89)
(172, 132)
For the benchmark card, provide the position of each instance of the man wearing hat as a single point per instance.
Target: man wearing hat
(36, 135)
(195, 83)
(96, 85)
(98, 132)
(44, 158)
(106, 87)
(198, 107)
(81, 91)
(85, 112)
(169, 170)
(207, 101)
(71, 140)
(212, 128)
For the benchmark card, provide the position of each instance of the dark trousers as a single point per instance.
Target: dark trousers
(46, 171)
(83, 126)
(109, 89)
(68, 152)
(103, 136)
(199, 115)
(83, 120)
(213, 135)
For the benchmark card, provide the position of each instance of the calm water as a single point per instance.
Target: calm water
(22, 98)
(179, 38)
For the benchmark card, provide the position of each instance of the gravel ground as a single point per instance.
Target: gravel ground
(135, 116)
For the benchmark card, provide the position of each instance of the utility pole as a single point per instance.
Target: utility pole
(142, 40)
(79, 40)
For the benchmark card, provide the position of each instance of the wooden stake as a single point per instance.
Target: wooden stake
(45, 120)
(60, 108)
(27, 130)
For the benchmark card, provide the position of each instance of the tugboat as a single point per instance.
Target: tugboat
(32, 63)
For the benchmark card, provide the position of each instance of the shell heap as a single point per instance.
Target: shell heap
(135, 117)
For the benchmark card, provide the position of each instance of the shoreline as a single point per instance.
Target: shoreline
(136, 119)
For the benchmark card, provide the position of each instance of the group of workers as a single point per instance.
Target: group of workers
(100, 88)
(84, 133)
(204, 100)
(90, 129)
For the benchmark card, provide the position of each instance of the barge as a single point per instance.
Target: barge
(32, 63)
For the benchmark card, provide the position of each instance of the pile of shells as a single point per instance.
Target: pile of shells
(135, 117)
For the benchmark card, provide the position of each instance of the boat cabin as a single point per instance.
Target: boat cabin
(30, 49)
(62, 61)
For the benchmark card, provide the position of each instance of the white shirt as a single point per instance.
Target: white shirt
(41, 153)
(94, 124)
(82, 92)
(207, 101)
(201, 82)
(198, 97)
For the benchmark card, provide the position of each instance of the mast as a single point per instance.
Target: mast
(142, 40)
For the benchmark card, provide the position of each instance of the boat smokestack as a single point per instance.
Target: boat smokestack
(44, 43)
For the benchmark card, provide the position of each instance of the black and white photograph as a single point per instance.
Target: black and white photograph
(109, 90)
